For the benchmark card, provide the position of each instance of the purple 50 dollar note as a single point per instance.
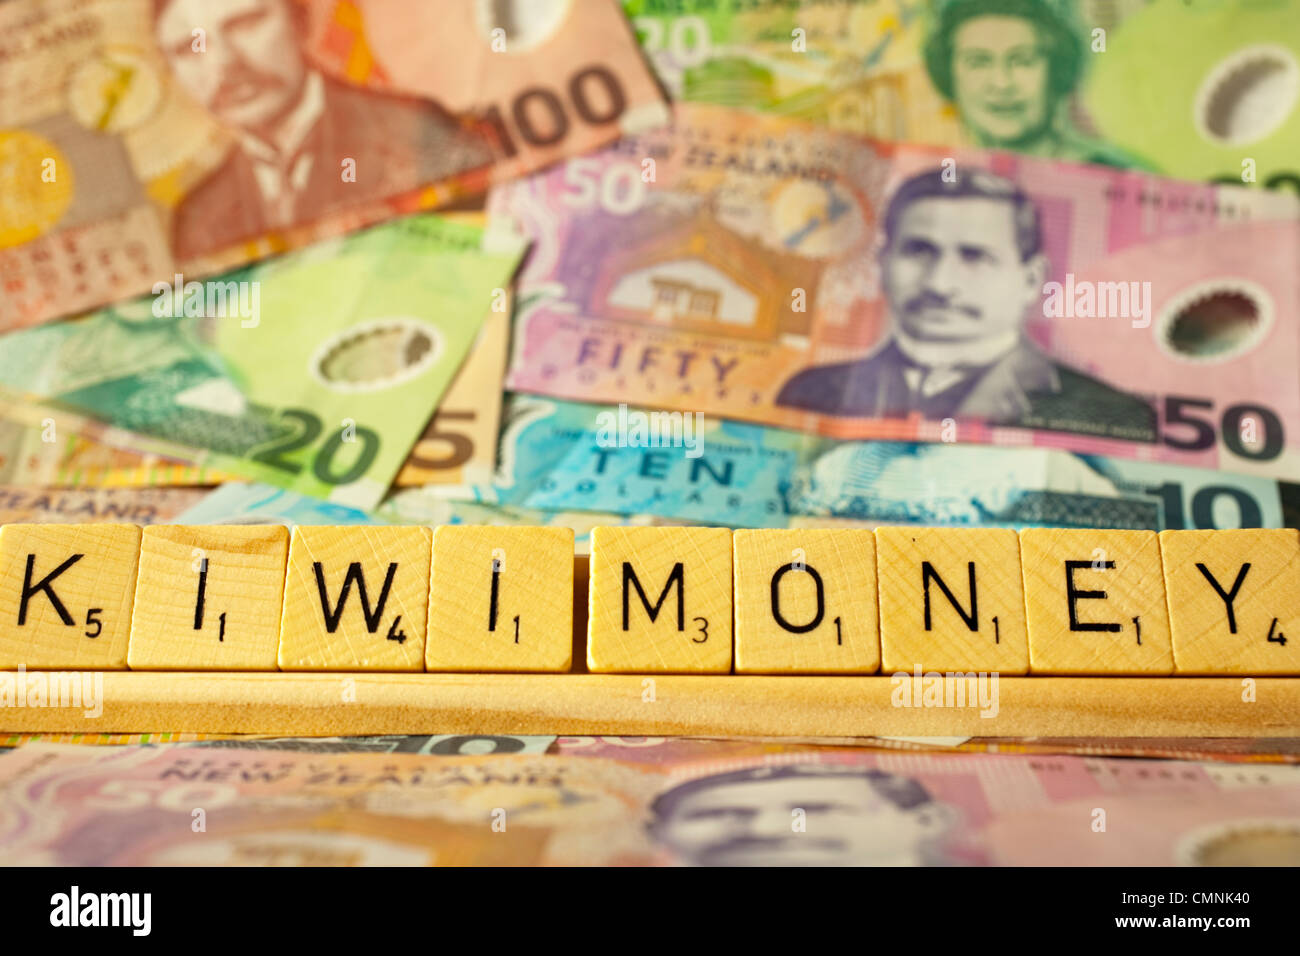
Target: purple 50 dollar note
(751, 267)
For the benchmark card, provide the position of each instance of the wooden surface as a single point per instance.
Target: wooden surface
(374, 629)
(501, 600)
(93, 591)
(1265, 602)
(326, 704)
(1119, 585)
(837, 563)
(238, 569)
(990, 557)
(683, 572)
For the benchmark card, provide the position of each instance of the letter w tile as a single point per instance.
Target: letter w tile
(354, 573)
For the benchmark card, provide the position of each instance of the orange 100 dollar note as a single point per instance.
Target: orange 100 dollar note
(144, 138)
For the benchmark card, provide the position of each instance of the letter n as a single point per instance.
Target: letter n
(928, 573)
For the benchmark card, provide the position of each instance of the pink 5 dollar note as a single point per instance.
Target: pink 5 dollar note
(755, 268)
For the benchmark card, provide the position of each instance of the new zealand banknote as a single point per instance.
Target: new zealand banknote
(751, 267)
(244, 503)
(1198, 90)
(670, 750)
(447, 745)
(459, 445)
(316, 371)
(80, 506)
(557, 454)
(32, 457)
(798, 805)
(144, 138)
(238, 502)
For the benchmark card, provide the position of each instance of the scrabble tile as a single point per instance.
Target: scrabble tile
(1095, 602)
(65, 594)
(357, 598)
(660, 601)
(208, 597)
(951, 599)
(806, 602)
(501, 599)
(1234, 600)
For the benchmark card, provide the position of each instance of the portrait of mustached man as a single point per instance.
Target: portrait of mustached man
(292, 126)
(962, 266)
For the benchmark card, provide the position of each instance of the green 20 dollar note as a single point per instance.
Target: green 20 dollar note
(315, 372)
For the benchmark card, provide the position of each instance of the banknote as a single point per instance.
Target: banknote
(255, 503)
(558, 455)
(449, 745)
(432, 505)
(946, 484)
(239, 502)
(459, 445)
(10, 741)
(147, 138)
(440, 745)
(555, 454)
(21, 504)
(672, 750)
(43, 446)
(751, 267)
(1196, 90)
(72, 459)
(321, 377)
(807, 805)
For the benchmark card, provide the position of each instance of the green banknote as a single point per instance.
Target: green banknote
(316, 371)
(1196, 89)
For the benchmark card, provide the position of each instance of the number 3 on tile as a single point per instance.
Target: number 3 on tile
(704, 630)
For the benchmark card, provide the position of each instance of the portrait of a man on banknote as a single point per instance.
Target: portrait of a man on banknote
(1010, 67)
(962, 265)
(304, 144)
(802, 815)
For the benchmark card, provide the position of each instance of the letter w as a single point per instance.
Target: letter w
(354, 572)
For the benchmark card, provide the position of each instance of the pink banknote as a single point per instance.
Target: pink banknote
(750, 267)
(144, 138)
(707, 803)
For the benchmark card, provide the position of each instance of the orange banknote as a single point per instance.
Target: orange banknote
(141, 139)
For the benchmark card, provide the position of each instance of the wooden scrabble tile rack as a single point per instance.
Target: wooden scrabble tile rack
(663, 631)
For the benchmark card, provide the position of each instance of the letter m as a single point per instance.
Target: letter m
(1115, 295)
(116, 909)
(676, 576)
(223, 298)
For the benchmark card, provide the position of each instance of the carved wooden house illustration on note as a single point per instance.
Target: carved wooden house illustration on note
(696, 275)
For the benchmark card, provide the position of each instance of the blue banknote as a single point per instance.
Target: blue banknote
(566, 455)
(254, 503)
(238, 502)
